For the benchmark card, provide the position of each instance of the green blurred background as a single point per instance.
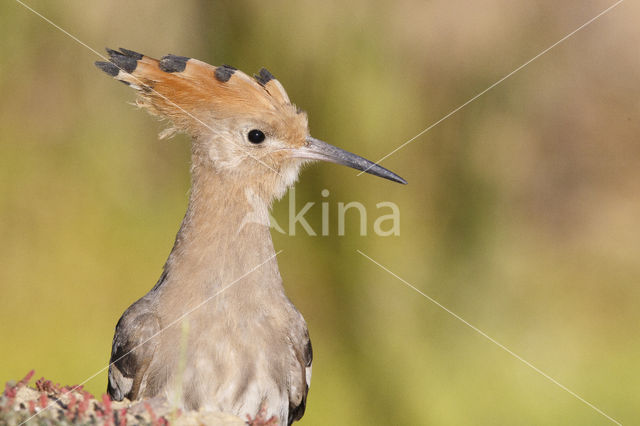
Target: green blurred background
(521, 214)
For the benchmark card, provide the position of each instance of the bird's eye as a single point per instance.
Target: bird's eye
(256, 136)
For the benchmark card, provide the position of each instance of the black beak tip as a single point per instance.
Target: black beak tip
(389, 175)
(379, 171)
(398, 179)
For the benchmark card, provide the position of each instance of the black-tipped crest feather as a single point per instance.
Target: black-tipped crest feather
(224, 73)
(108, 67)
(123, 60)
(173, 63)
(264, 76)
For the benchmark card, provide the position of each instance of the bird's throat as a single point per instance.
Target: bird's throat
(224, 240)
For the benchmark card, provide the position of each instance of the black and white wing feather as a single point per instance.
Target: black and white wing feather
(132, 351)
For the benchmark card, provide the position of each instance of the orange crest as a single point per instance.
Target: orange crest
(194, 95)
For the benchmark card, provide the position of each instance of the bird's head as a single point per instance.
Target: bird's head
(243, 128)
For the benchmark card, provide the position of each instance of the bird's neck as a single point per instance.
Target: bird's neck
(224, 240)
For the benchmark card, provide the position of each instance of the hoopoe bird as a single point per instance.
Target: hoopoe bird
(247, 348)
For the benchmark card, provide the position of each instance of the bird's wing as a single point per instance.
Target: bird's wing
(132, 351)
(300, 376)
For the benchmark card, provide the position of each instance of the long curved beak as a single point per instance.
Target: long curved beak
(317, 150)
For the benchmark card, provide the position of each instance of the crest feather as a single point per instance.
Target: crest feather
(192, 93)
(272, 85)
